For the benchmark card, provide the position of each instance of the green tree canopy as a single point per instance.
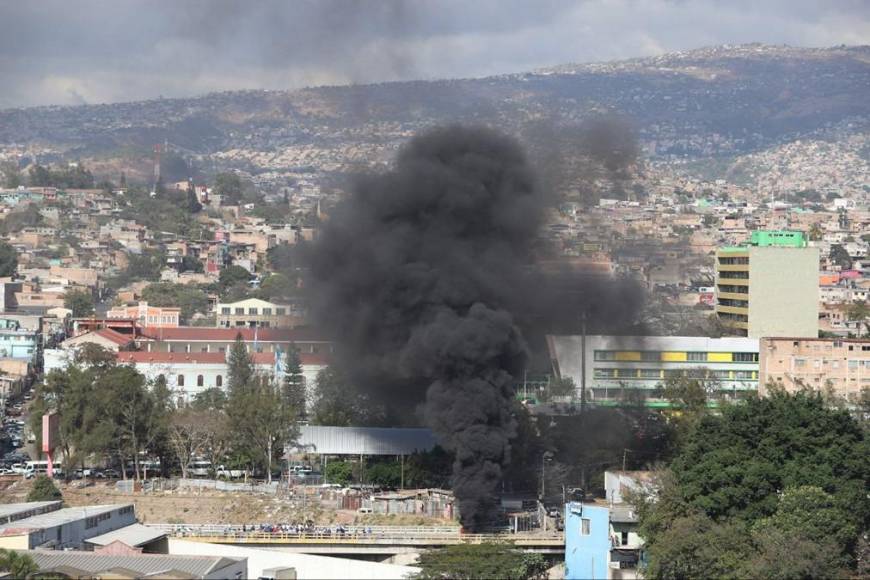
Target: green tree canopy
(190, 299)
(80, 302)
(229, 187)
(17, 564)
(8, 260)
(486, 560)
(293, 391)
(240, 372)
(44, 489)
(779, 471)
(232, 275)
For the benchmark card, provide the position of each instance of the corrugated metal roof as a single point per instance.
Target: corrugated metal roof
(364, 440)
(144, 564)
(11, 509)
(133, 535)
(60, 517)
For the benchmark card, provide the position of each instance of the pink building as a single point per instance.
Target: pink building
(153, 316)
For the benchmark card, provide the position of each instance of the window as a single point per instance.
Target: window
(745, 357)
(602, 373)
(696, 356)
(180, 381)
(604, 355)
(219, 381)
(650, 355)
(585, 525)
(225, 310)
(252, 311)
(281, 311)
(200, 381)
(222, 349)
(240, 310)
(203, 349)
(90, 523)
(125, 510)
(799, 362)
(267, 312)
(624, 538)
(650, 373)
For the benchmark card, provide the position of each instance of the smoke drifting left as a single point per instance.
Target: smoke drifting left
(424, 276)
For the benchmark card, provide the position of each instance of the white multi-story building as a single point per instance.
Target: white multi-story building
(610, 367)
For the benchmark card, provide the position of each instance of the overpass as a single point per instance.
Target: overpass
(383, 541)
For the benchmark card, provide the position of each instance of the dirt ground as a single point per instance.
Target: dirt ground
(212, 507)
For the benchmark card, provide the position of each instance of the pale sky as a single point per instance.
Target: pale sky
(95, 51)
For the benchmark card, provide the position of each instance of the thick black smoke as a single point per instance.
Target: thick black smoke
(425, 276)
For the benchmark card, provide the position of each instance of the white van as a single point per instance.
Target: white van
(34, 468)
(200, 468)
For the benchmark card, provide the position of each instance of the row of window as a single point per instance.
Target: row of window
(733, 303)
(253, 311)
(672, 356)
(736, 260)
(733, 289)
(734, 317)
(200, 380)
(658, 374)
(733, 275)
(94, 521)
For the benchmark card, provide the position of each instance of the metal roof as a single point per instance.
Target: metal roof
(364, 440)
(10, 510)
(133, 535)
(144, 564)
(60, 517)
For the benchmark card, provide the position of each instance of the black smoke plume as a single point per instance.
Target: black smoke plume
(425, 275)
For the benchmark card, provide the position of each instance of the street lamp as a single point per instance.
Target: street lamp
(547, 456)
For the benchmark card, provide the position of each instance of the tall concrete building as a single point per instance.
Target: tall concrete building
(769, 287)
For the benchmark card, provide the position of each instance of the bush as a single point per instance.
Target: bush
(44, 489)
(340, 472)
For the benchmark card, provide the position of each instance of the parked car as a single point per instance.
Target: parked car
(223, 471)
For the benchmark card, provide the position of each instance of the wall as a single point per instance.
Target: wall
(587, 556)
(783, 292)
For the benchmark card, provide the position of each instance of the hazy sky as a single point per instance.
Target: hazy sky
(92, 51)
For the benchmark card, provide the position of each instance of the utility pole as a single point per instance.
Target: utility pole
(583, 362)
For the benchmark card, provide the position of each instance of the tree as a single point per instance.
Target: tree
(262, 422)
(80, 302)
(44, 489)
(8, 260)
(277, 286)
(563, 387)
(232, 275)
(859, 311)
(786, 468)
(840, 257)
(815, 232)
(213, 398)
(333, 402)
(486, 560)
(11, 174)
(294, 392)
(191, 264)
(193, 205)
(229, 187)
(190, 299)
(17, 564)
(240, 370)
(340, 472)
(189, 435)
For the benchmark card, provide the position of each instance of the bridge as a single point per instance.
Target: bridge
(373, 540)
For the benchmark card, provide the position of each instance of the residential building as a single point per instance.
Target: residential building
(254, 312)
(769, 287)
(145, 315)
(611, 368)
(839, 364)
(17, 342)
(601, 541)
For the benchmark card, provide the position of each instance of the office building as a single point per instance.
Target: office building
(838, 365)
(613, 368)
(145, 315)
(769, 287)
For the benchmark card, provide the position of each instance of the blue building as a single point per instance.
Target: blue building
(601, 542)
(17, 342)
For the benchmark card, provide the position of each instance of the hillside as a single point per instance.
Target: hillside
(720, 101)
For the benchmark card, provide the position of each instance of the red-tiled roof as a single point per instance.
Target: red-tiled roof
(115, 336)
(200, 333)
(260, 358)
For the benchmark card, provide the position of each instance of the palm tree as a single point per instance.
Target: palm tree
(18, 565)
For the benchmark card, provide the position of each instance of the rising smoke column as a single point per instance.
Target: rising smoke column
(417, 273)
